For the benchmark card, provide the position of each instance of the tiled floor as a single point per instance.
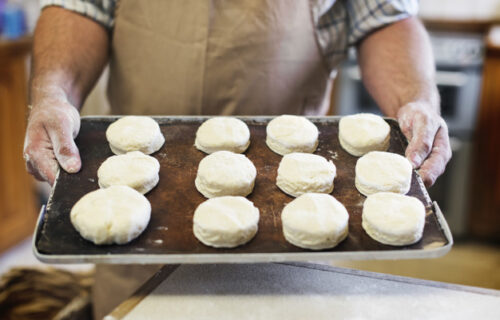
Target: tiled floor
(467, 263)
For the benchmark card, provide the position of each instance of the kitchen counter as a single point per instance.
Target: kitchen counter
(300, 291)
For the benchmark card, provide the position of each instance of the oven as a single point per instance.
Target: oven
(459, 60)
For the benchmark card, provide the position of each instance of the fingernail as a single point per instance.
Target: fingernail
(72, 165)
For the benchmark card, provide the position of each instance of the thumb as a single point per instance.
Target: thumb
(65, 149)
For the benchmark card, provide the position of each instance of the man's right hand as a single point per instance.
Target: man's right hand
(52, 127)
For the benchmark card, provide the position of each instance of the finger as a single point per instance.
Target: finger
(64, 146)
(39, 157)
(423, 135)
(434, 166)
(46, 171)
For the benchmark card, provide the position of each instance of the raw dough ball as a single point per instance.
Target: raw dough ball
(224, 173)
(315, 221)
(134, 133)
(364, 132)
(225, 222)
(300, 173)
(287, 134)
(379, 171)
(393, 219)
(117, 214)
(133, 169)
(222, 133)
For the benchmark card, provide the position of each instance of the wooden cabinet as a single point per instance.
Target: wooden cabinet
(484, 217)
(18, 206)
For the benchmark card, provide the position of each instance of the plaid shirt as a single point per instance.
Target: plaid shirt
(339, 23)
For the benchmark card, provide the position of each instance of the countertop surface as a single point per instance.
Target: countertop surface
(305, 291)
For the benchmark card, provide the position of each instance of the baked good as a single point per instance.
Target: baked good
(300, 173)
(222, 133)
(393, 219)
(315, 221)
(286, 134)
(225, 222)
(117, 214)
(134, 133)
(133, 169)
(225, 173)
(379, 171)
(364, 132)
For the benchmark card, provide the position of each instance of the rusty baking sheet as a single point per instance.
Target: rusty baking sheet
(169, 237)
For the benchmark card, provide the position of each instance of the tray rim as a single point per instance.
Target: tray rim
(242, 257)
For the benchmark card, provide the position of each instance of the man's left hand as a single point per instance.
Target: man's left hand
(429, 144)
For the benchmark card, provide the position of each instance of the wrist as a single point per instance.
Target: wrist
(427, 107)
(54, 87)
(426, 99)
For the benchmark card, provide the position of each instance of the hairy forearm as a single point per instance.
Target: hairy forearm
(398, 67)
(69, 53)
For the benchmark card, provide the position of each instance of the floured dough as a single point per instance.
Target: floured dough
(225, 222)
(225, 173)
(222, 133)
(300, 173)
(287, 134)
(364, 132)
(133, 169)
(393, 219)
(379, 171)
(117, 214)
(134, 133)
(315, 221)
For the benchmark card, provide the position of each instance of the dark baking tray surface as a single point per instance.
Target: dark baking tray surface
(169, 237)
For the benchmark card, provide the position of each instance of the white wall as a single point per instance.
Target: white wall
(460, 9)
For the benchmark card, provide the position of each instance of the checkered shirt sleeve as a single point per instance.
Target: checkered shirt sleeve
(101, 11)
(343, 23)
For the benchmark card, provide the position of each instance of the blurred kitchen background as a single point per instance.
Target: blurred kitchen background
(466, 41)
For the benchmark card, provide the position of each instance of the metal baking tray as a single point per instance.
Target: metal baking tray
(169, 237)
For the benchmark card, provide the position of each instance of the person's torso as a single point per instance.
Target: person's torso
(252, 57)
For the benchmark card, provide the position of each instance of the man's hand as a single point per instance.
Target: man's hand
(429, 145)
(398, 70)
(52, 126)
(69, 53)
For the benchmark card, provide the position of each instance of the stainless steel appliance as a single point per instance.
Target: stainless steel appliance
(459, 59)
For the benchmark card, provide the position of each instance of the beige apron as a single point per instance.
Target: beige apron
(189, 57)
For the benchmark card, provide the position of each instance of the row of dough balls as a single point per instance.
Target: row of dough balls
(314, 221)
(119, 212)
(358, 134)
(389, 216)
